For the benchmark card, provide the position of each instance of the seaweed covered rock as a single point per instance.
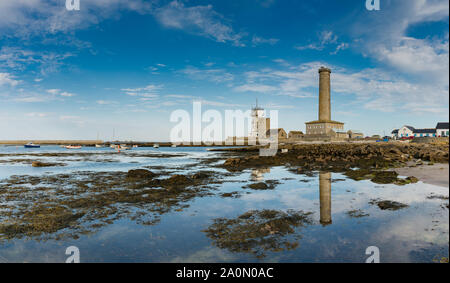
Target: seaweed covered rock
(385, 177)
(140, 174)
(43, 164)
(388, 205)
(380, 156)
(259, 231)
(360, 174)
(177, 180)
(258, 186)
(200, 176)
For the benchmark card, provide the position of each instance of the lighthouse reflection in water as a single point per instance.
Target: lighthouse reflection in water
(325, 198)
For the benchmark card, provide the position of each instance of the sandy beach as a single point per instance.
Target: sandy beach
(436, 174)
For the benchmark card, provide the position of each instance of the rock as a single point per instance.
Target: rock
(258, 186)
(385, 177)
(412, 179)
(389, 205)
(408, 180)
(232, 162)
(42, 164)
(178, 180)
(200, 175)
(37, 164)
(140, 174)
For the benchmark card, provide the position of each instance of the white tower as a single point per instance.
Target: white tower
(259, 122)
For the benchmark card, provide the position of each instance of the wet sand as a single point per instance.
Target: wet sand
(437, 174)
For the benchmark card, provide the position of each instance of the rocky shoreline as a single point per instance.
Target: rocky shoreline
(358, 161)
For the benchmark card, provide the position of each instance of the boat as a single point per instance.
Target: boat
(31, 145)
(174, 145)
(73, 146)
(135, 146)
(156, 145)
(99, 146)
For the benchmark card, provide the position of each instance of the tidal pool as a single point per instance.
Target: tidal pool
(260, 215)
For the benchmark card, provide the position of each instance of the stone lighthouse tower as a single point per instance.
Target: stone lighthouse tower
(324, 128)
(324, 94)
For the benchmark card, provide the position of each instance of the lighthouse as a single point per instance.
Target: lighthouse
(324, 128)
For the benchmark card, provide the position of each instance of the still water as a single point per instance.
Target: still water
(319, 217)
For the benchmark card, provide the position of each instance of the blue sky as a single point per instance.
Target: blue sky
(127, 65)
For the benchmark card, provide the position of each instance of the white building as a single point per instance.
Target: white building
(394, 134)
(406, 132)
(260, 124)
(411, 132)
(442, 130)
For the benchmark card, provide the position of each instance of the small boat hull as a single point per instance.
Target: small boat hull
(73, 147)
(32, 146)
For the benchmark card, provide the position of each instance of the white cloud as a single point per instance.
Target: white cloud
(149, 88)
(374, 89)
(255, 88)
(266, 3)
(19, 59)
(213, 75)
(257, 40)
(419, 57)
(31, 17)
(31, 99)
(180, 96)
(106, 102)
(384, 36)
(147, 93)
(68, 117)
(311, 46)
(325, 39)
(201, 20)
(53, 91)
(66, 94)
(8, 79)
(35, 114)
(58, 92)
(328, 37)
(340, 47)
(281, 62)
(220, 104)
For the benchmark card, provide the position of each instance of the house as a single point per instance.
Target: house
(406, 132)
(442, 129)
(411, 132)
(419, 133)
(296, 135)
(353, 134)
(394, 134)
(280, 132)
(341, 135)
